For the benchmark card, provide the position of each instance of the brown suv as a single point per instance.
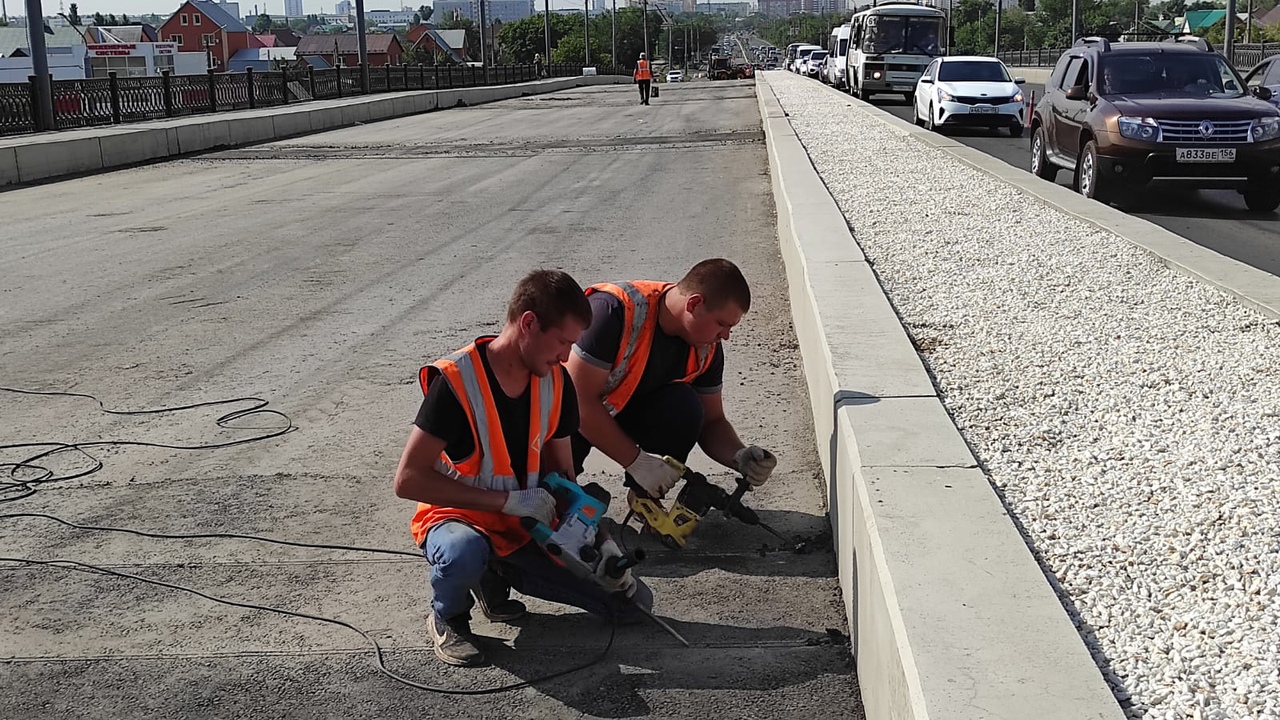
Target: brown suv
(1125, 116)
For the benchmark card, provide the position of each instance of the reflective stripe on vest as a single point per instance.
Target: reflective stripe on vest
(489, 465)
(642, 70)
(640, 300)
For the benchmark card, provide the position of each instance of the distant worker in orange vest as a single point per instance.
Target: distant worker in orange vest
(496, 417)
(643, 76)
(649, 372)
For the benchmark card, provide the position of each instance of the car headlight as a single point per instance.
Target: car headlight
(1017, 98)
(1267, 128)
(1140, 128)
(945, 96)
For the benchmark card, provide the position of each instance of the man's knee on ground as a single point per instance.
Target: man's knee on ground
(457, 552)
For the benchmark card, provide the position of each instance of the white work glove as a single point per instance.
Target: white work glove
(625, 584)
(653, 474)
(755, 463)
(535, 503)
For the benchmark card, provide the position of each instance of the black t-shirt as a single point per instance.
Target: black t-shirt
(668, 360)
(443, 416)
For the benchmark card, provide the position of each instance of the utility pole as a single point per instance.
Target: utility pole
(363, 46)
(1229, 42)
(586, 32)
(1248, 23)
(613, 26)
(484, 45)
(645, 6)
(1075, 21)
(40, 65)
(546, 30)
(999, 9)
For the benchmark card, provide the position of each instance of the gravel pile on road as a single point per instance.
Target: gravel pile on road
(1129, 415)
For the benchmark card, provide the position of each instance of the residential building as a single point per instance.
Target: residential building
(504, 10)
(344, 50)
(388, 17)
(294, 9)
(344, 8)
(12, 38)
(450, 43)
(231, 8)
(204, 26)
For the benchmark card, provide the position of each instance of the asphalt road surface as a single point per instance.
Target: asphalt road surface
(1216, 219)
(320, 273)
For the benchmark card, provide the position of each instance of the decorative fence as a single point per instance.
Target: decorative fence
(114, 100)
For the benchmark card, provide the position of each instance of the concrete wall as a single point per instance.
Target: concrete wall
(32, 158)
(951, 616)
(1036, 75)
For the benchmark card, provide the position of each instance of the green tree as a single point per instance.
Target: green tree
(74, 15)
(98, 19)
(569, 50)
(124, 20)
(112, 21)
(425, 12)
(262, 24)
(524, 38)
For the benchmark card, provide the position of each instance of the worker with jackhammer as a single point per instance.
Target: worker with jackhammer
(649, 371)
(497, 416)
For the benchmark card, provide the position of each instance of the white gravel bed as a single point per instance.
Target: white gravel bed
(1130, 415)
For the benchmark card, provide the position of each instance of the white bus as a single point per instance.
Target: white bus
(838, 47)
(890, 46)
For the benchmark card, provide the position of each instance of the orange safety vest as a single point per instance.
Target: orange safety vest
(489, 465)
(641, 299)
(642, 70)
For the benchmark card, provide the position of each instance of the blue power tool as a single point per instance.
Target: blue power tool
(575, 540)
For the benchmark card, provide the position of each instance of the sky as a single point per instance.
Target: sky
(166, 7)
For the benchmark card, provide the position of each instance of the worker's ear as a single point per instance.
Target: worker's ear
(528, 321)
(694, 302)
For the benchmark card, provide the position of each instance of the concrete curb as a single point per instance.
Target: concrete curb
(47, 156)
(950, 613)
(1254, 288)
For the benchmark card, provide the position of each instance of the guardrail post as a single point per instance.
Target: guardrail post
(213, 92)
(166, 84)
(36, 123)
(338, 70)
(114, 84)
(248, 72)
(387, 70)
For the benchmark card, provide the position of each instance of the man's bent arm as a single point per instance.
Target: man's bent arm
(558, 457)
(418, 479)
(594, 421)
(718, 440)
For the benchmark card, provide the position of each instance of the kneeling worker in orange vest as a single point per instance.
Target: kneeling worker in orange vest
(643, 76)
(497, 415)
(648, 372)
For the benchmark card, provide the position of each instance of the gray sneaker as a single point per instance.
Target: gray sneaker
(452, 639)
(494, 598)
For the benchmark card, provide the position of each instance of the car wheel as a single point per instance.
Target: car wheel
(1089, 175)
(1040, 165)
(929, 122)
(1262, 199)
(1015, 130)
(915, 113)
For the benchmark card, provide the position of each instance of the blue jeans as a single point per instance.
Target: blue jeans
(459, 556)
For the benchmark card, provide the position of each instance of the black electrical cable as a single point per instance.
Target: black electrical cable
(27, 487)
(377, 649)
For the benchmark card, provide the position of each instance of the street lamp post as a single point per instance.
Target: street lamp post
(645, 7)
(363, 46)
(546, 29)
(613, 29)
(586, 32)
(484, 45)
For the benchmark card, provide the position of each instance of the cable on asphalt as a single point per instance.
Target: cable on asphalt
(19, 488)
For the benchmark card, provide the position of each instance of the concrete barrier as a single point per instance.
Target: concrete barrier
(1037, 75)
(45, 156)
(951, 616)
